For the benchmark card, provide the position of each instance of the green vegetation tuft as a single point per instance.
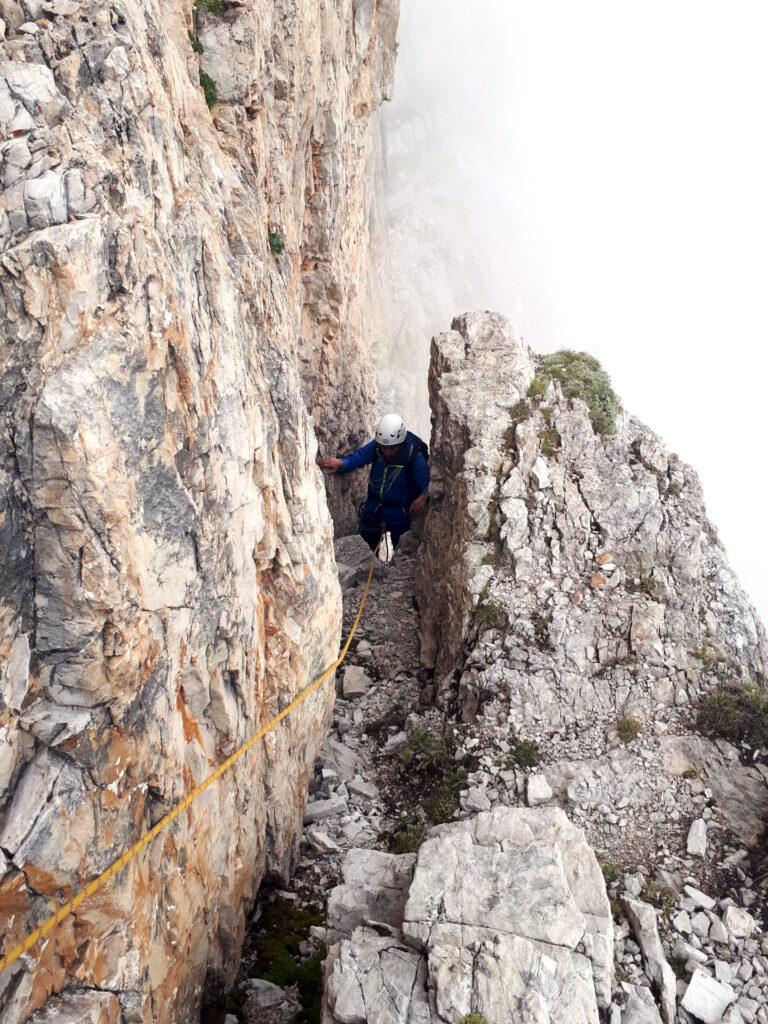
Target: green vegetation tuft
(425, 750)
(536, 389)
(276, 243)
(409, 832)
(738, 712)
(520, 411)
(491, 615)
(628, 729)
(580, 376)
(431, 784)
(197, 46)
(209, 88)
(677, 963)
(661, 896)
(549, 440)
(622, 974)
(212, 6)
(541, 630)
(610, 871)
(473, 1018)
(707, 653)
(282, 928)
(524, 754)
(442, 801)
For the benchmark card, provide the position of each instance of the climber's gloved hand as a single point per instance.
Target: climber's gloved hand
(418, 506)
(331, 464)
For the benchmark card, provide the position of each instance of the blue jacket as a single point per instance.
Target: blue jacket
(391, 488)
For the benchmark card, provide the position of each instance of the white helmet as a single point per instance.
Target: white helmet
(390, 429)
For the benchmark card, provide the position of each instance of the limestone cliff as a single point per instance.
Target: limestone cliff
(167, 579)
(579, 612)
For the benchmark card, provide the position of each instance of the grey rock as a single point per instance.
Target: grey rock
(640, 1006)
(643, 918)
(319, 810)
(264, 994)
(321, 842)
(354, 682)
(360, 787)
(537, 790)
(706, 998)
(699, 898)
(522, 929)
(740, 923)
(696, 843)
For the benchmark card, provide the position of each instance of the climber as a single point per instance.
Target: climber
(398, 484)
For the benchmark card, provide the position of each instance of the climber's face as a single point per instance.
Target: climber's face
(389, 452)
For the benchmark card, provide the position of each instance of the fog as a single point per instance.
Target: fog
(598, 172)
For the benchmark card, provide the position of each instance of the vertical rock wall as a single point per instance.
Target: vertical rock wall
(167, 581)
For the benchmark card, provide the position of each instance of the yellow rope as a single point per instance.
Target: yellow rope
(55, 919)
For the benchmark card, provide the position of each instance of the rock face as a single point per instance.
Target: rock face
(167, 580)
(572, 586)
(606, 541)
(504, 914)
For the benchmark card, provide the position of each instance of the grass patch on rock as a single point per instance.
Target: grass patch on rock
(610, 871)
(209, 88)
(628, 729)
(194, 42)
(580, 375)
(431, 782)
(549, 440)
(491, 615)
(660, 896)
(211, 6)
(523, 755)
(276, 243)
(473, 1018)
(737, 712)
(282, 928)
(408, 833)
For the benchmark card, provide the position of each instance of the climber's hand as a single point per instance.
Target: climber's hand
(417, 507)
(331, 464)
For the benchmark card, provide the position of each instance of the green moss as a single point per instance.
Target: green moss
(524, 754)
(212, 6)
(580, 376)
(473, 1018)
(737, 712)
(549, 439)
(282, 929)
(628, 729)
(197, 46)
(276, 243)
(209, 88)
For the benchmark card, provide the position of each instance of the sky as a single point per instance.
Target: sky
(598, 172)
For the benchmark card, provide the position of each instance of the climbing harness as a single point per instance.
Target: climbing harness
(101, 880)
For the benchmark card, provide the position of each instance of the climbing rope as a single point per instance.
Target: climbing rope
(101, 880)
